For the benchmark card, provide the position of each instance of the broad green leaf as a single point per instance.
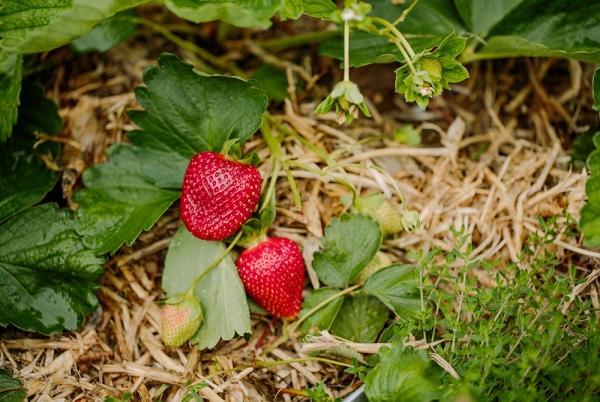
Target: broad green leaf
(596, 89)
(11, 66)
(397, 287)
(220, 292)
(350, 243)
(241, 13)
(430, 17)
(36, 112)
(322, 318)
(480, 16)
(25, 179)
(360, 319)
(272, 81)
(47, 275)
(590, 213)
(31, 26)
(11, 389)
(402, 375)
(547, 28)
(108, 34)
(121, 198)
(186, 112)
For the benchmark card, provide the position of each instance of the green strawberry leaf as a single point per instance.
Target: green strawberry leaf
(220, 292)
(397, 287)
(186, 112)
(48, 276)
(350, 243)
(11, 66)
(108, 34)
(590, 213)
(273, 82)
(25, 180)
(360, 319)
(402, 375)
(11, 388)
(241, 13)
(31, 26)
(322, 318)
(122, 198)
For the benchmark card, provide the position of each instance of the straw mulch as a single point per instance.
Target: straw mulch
(494, 159)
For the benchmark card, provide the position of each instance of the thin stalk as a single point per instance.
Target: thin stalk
(346, 51)
(396, 33)
(192, 47)
(275, 148)
(215, 264)
(405, 13)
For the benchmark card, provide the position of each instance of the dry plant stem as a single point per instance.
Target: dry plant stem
(192, 47)
(264, 364)
(294, 327)
(405, 13)
(275, 148)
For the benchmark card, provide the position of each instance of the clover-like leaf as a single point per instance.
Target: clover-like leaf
(360, 319)
(397, 286)
(350, 243)
(323, 317)
(241, 13)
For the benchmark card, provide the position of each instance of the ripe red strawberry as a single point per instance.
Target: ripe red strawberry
(218, 195)
(180, 319)
(273, 274)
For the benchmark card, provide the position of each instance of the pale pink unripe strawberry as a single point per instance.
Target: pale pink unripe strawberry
(181, 317)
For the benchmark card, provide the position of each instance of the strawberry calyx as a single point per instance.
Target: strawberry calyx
(232, 150)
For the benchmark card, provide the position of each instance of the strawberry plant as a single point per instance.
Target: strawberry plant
(194, 151)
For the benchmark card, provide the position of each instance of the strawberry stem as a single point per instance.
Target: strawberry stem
(215, 264)
(275, 148)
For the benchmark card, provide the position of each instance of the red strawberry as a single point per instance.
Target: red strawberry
(218, 195)
(273, 274)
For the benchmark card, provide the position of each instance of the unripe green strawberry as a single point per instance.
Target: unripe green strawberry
(432, 66)
(378, 262)
(180, 319)
(389, 218)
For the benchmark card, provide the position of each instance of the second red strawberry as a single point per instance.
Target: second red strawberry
(272, 272)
